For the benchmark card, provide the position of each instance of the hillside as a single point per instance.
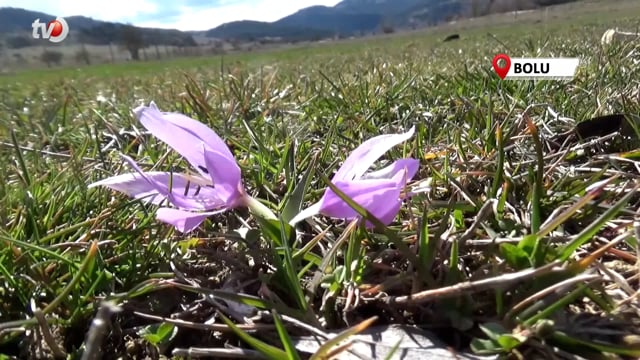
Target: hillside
(15, 27)
(355, 17)
(347, 18)
(358, 17)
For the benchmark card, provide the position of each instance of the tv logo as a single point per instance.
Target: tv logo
(535, 68)
(54, 31)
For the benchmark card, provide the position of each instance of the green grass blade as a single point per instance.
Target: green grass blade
(269, 351)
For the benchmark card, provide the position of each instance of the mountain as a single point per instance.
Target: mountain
(347, 18)
(254, 30)
(357, 17)
(15, 26)
(333, 19)
(15, 19)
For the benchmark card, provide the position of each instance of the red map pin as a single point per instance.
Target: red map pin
(502, 71)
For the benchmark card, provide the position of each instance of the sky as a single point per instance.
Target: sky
(171, 14)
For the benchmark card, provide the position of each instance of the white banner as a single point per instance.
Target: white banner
(535, 68)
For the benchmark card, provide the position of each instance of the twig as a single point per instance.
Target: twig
(485, 210)
(98, 330)
(201, 326)
(501, 281)
(540, 294)
(58, 353)
(515, 240)
(236, 353)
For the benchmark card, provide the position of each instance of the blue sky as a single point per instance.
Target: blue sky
(171, 14)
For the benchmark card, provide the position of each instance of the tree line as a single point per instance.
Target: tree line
(129, 37)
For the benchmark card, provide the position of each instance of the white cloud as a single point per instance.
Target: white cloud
(260, 10)
(187, 19)
(110, 10)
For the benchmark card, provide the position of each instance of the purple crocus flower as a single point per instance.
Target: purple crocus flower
(377, 191)
(217, 187)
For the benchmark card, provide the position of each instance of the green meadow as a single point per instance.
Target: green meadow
(521, 240)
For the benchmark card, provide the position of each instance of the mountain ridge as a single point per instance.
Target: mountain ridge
(345, 19)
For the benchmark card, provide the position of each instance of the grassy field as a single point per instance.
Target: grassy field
(521, 242)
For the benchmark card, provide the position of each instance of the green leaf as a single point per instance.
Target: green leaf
(294, 201)
(567, 342)
(587, 233)
(272, 229)
(158, 334)
(485, 347)
(514, 255)
(269, 351)
(509, 341)
(426, 250)
(187, 244)
(289, 347)
(325, 349)
(493, 330)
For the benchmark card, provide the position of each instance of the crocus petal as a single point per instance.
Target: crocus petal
(386, 214)
(183, 134)
(183, 221)
(133, 185)
(381, 197)
(196, 127)
(361, 159)
(226, 176)
(144, 187)
(409, 164)
(206, 199)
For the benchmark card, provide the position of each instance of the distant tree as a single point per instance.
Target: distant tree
(480, 7)
(102, 34)
(132, 41)
(387, 26)
(83, 55)
(51, 57)
(19, 58)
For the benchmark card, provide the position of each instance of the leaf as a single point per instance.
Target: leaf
(284, 337)
(295, 200)
(187, 244)
(510, 341)
(515, 256)
(325, 349)
(485, 346)
(159, 334)
(272, 229)
(269, 351)
(567, 342)
(588, 232)
(493, 330)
